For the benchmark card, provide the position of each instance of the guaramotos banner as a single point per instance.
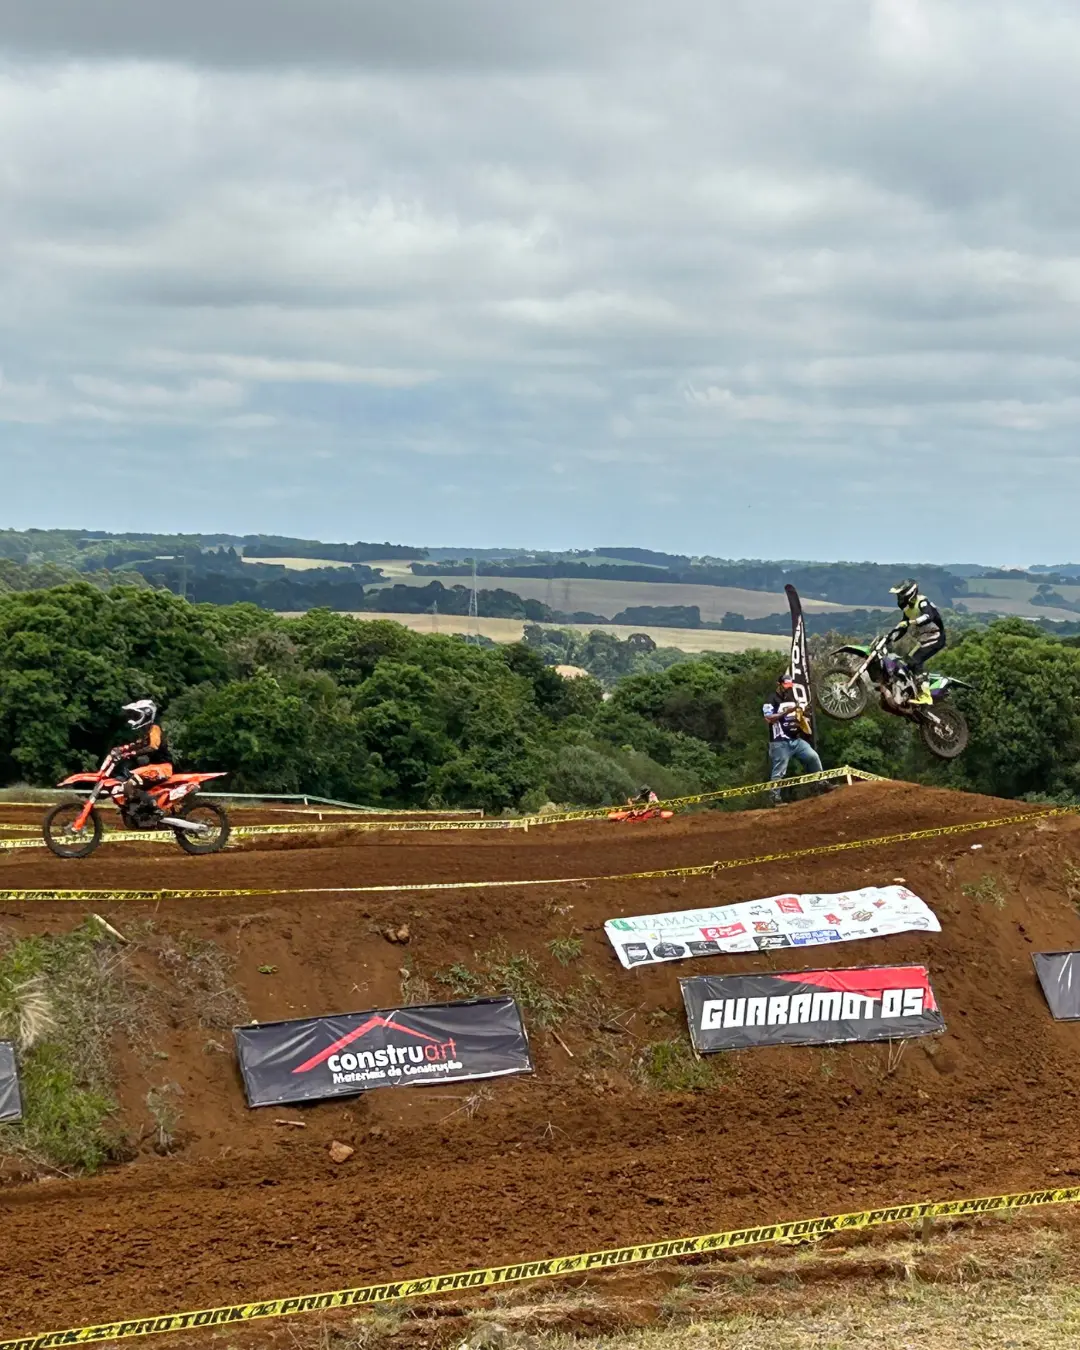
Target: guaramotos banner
(760, 925)
(10, 1103)
(338, 1056)
(810, 1007)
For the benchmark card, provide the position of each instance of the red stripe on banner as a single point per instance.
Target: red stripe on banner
(870, 981)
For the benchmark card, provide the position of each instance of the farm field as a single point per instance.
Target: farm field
(609, 597)
(618, 1136)
(1008, 605)
(297, 564)
(511, 630)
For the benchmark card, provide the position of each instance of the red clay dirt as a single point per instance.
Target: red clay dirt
(579, 1155)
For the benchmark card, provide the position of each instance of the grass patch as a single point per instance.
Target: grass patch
(520, 975)
(672, 1066)
(203, 972)
(62, 999)
(414, 987)
(460, 980)
(566, 949)
(162, 1104)
(986, 891)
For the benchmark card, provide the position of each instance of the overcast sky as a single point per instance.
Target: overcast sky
(752, 278)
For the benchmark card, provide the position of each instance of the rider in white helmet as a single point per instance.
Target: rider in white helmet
(146, 759)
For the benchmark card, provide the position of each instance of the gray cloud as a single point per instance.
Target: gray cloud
(565, 270)
(423, 34)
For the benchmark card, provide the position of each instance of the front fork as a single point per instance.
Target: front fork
(84, 815)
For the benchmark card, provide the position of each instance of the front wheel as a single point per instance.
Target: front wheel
(837, 696)
(944, 730)
(214, 819)
(63, 838)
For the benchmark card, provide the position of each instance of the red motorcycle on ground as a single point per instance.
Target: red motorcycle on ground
(73, 829)
(635, 813)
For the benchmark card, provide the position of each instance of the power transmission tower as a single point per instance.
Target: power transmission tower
(474, 610)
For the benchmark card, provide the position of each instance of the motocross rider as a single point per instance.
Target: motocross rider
(646, 796)
(145, 760)
(924, 618)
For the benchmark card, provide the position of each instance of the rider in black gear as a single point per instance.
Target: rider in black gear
(923, 620)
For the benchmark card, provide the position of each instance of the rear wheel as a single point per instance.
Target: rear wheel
(211, 815)
(944, 730)
(61, 836)
(837, 696)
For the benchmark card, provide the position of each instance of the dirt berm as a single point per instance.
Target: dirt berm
(588, 1152)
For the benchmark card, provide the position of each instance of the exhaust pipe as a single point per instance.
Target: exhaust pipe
(177, 824)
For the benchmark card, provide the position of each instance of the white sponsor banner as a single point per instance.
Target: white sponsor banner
(761, 925)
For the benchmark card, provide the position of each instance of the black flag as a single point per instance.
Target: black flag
(799, 664)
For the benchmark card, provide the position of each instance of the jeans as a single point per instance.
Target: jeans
(781, 753)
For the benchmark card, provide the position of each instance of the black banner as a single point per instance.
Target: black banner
(338, 1056)
(1059, 975)
(10, 1102)
(799, 663)
(810, 1007)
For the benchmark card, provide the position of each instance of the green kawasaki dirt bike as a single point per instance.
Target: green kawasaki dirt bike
(853, 675)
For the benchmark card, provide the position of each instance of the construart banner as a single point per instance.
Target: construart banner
(10, 1103)
(761, 925)
(338, 1056)
(810, 1007)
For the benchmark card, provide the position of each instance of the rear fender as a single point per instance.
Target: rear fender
(854, 651)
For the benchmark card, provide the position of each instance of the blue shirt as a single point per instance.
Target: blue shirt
(787, 728)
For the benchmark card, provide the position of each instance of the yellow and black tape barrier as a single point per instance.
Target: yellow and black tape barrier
(721, 794)
(698, 870)
(551, 1267)
(491, 823)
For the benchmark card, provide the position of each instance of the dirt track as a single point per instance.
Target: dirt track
(578, 1155)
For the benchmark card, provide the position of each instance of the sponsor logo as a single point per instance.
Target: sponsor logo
(766, 926)
(863, 915)
(666, 951)
(782, 1010)
(703, 948)
(817, 936)
(802, 923)
(394, 1060)
(635, 952)
(833, 918)
(789, 904)
(727, 931)
(763, 944)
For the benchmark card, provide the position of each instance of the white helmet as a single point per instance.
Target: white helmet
(141, 714)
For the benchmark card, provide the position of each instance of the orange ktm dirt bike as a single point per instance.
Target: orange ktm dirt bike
(73, 829)
(633, 813)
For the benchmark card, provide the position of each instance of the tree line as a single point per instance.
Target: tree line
(368, 711)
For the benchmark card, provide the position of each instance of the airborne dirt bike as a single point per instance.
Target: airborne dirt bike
(73, 829)
(843, 689)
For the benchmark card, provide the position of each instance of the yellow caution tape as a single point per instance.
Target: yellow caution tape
(551, 1267)
(698, 870)
(699, 798)
(435, 826)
